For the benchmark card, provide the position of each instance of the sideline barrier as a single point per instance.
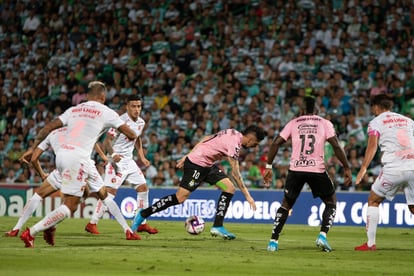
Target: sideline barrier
(351, 207)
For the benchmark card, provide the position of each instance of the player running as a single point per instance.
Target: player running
(309, 133)
(85, 124)
(51, 182)
(393, 133)
(124, 168)
(200, 166)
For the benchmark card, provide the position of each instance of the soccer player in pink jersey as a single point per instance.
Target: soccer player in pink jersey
(85, 124)
(200, 166)
(124, 168)
(308, 133)
(393, 133)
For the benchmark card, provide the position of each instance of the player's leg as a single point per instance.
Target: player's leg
(143, 203)
(374, 201)
(136, 177)
(293, 187)
(43, 191)
(99, 211)
(193, 175)
(96, 184)
(73, 179)
(386, 185)
(323, 187)
(218, 178)
(167, 201)
(51, 219)
(112, 182)
(227, 192)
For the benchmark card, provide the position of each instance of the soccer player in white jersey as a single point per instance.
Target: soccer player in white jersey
(124, 168)
(200, 166)
(308, 133)
(85, 123)
(51, 182)
(393, 133)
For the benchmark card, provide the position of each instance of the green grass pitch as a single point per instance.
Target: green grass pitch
(174, 252)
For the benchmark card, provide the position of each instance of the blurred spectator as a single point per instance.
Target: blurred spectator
(252, 65)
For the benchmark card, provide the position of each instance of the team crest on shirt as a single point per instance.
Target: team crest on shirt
(113, 180)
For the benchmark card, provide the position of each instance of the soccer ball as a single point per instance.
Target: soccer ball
(194, 225)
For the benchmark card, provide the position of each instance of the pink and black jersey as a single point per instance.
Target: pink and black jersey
(309, 134)
(395, 139)
(122, 145)
(225, 143)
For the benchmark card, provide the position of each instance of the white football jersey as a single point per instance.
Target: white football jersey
(396, 140)
(121, 144)
(53, 140)
(85, 123)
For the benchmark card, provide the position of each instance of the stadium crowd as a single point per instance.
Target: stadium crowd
(201, 66)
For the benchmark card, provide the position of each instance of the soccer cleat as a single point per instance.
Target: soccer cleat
(146, 228)
(27, 238)
(365, 247)
(12, 233)
(222, 232)
(273, 246)
(91, 228)
(49, 235)
(323, 244)
(132, 236)
(138, 220)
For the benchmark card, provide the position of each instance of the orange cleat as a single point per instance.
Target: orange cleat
(27, 238)
(12, 233)
(49, 235)
(91, 228)
(146, 228)
(365, 247)
(132, 236)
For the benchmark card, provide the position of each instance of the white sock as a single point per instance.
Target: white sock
(142, 201)
(372, 223)
(28, 210)
(100, 209)
(51, 219)
(114, 210)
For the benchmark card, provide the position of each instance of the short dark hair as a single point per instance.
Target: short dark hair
(258, 131)
(383, 101)
(309, 105)
(133, 97)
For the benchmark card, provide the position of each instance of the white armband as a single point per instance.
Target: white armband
(269, 166)
(113, 154)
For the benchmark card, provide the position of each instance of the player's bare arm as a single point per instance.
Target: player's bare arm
(369, 155)
(340, 153)
(25, 158)
(125, 129)
(107, 146)
(99, 150)
(36, 164)
(235, 173)
(274, 148)
(44, 132)
(140, 153)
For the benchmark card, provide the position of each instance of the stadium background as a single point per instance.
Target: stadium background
(202, 66)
